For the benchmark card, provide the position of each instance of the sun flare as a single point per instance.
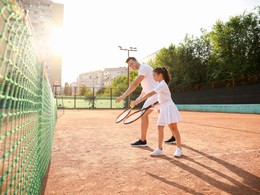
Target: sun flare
(57, 41)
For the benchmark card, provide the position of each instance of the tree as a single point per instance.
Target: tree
(186, 63)
(166, 58)
(229, 51)
(82, 90)
(67, 89)
(120, 84)
(236, 46)
(193, 56)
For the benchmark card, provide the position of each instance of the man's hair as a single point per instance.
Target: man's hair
(130, 58)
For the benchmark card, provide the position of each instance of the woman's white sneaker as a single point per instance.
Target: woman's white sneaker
(157, 152)
(178, 152)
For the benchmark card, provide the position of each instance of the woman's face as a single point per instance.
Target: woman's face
(157, 76)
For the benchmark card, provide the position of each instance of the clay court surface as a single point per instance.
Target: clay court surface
(92, 155)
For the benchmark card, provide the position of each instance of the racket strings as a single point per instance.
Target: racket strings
(133, 117)
(122, 116)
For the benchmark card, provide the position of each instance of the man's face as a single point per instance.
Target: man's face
(132, 64)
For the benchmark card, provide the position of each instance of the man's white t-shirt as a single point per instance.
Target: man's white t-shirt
(148, 83)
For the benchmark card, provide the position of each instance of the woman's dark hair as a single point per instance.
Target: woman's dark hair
(164, 72)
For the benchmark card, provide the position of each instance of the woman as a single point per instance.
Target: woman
(169, 114)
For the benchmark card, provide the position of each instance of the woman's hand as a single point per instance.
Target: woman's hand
(134, 103)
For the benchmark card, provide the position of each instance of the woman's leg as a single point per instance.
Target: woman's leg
(160, 136)
(174, 129)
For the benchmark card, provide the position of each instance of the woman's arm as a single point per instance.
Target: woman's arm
(138, 101)
(141, 95)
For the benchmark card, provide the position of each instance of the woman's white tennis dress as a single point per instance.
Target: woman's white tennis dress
(169, 112)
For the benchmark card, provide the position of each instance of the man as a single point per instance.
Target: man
(145, 78)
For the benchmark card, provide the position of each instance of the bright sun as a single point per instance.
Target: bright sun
(57, 41)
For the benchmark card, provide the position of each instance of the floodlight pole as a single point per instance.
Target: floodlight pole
(94, 79)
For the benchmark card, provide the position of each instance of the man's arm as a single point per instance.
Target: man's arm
(141, 95)
(131, 88)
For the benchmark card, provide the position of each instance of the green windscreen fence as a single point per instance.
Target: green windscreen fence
(28, 109)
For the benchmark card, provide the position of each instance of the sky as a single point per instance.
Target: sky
(93, 30)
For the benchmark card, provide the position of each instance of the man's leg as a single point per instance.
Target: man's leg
(144, 126)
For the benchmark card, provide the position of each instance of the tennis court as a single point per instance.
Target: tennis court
(92, 155)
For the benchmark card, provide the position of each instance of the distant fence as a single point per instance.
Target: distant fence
(92, 99)
(28, 109)
(88, 102)
(238, 99)
(249, 94)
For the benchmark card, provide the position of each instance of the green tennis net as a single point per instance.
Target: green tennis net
(28, 109)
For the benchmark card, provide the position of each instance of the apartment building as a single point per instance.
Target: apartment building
(45, 16)
(92, 79)
(99, 79)
(112, 73)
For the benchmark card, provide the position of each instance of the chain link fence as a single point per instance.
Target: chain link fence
(28, 108)
(94, 97)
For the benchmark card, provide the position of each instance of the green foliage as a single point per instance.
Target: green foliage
(84, 91)
(67, 89)
(231, 50)
(91, 100)
(88, 92)
(120, 84)
(236, 46)
(101, 92)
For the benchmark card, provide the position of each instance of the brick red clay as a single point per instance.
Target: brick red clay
(92, 155)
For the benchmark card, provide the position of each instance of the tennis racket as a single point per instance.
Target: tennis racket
(130, 118)
(123, 115)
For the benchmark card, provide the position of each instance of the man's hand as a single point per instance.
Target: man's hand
(119, 99)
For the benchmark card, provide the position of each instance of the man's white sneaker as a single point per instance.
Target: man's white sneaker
(157, 152)
(178, 152)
